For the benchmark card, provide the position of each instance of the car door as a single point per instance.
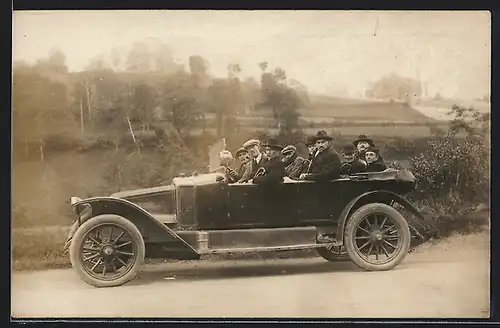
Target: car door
(263, 206)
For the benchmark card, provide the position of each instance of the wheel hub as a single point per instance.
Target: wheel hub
(377, 236)
(108, 250)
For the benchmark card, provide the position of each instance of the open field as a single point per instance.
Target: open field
(373, 131)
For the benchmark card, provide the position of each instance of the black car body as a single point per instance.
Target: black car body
(201, 215)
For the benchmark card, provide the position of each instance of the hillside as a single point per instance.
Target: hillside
(327, 109)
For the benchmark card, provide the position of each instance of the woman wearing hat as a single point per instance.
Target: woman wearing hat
(273, 170)
(375, 162)
(353, 164)
(326, 163)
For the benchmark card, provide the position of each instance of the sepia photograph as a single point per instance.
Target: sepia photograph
(250, 164)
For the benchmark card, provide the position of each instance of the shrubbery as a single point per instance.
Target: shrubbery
(453, 172)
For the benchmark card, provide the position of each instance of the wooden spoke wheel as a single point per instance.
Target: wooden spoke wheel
(377, 237)
(107, 251)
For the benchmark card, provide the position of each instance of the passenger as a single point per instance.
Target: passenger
(258, 158)
(311, 146)
(362, 144)
(245, 170)
(375, 162)
(226, 160)
(273, 170)
(353, 164)
(326, 163)
(294, 164)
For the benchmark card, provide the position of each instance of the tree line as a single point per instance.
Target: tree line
(114, 100)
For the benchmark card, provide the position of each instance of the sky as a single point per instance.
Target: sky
(330, 52)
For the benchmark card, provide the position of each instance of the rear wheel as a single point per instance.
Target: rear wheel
(377, 237)
(107, 251)
(333, 254)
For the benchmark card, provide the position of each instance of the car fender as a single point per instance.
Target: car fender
(124, 208)
(421, 225)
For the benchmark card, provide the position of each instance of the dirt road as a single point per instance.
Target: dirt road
(450, 279)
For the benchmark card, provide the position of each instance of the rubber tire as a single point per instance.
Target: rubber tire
(350, 230)
(330, 256)
(74, 252)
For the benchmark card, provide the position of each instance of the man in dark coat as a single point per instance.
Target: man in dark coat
(362, 144)
(375, 162)
(294, 164)
(273, 170)
(326, 163)
(311, 146)
(352, 163)
(252, 146)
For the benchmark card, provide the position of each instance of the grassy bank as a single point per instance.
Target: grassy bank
(39, 248)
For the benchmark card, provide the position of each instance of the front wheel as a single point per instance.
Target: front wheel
(377, 237)
(107, 251)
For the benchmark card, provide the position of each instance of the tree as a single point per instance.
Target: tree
(233, 71)
(224, 98)
(179, 103)
(57, 60)
(200, 79)
(283, 100)
(151, 55)
(395, 87)
(40, 111)
(263, 66)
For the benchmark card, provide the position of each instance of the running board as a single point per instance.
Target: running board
(264, 249)
(253, 240)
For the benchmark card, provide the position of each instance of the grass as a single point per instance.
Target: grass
(39, 248)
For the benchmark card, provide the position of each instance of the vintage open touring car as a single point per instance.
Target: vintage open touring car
(197, 215)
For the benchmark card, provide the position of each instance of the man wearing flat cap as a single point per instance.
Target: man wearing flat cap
(273, 170)
(252, 146)
(294, 164)
(352, 163)
(245, 170)
(326, 163)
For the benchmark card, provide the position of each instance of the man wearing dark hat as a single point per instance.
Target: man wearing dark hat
(273, 170)
(311, 146)
(294, 164)
(326, 163)
(375, 162)
(362, 144)
(252, 146)
(352, 163)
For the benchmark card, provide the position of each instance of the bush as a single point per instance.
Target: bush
(149, 168)
(453, 172)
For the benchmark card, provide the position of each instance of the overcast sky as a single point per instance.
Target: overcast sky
(325, 50)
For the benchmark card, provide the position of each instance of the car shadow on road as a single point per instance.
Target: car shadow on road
(237, 270)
